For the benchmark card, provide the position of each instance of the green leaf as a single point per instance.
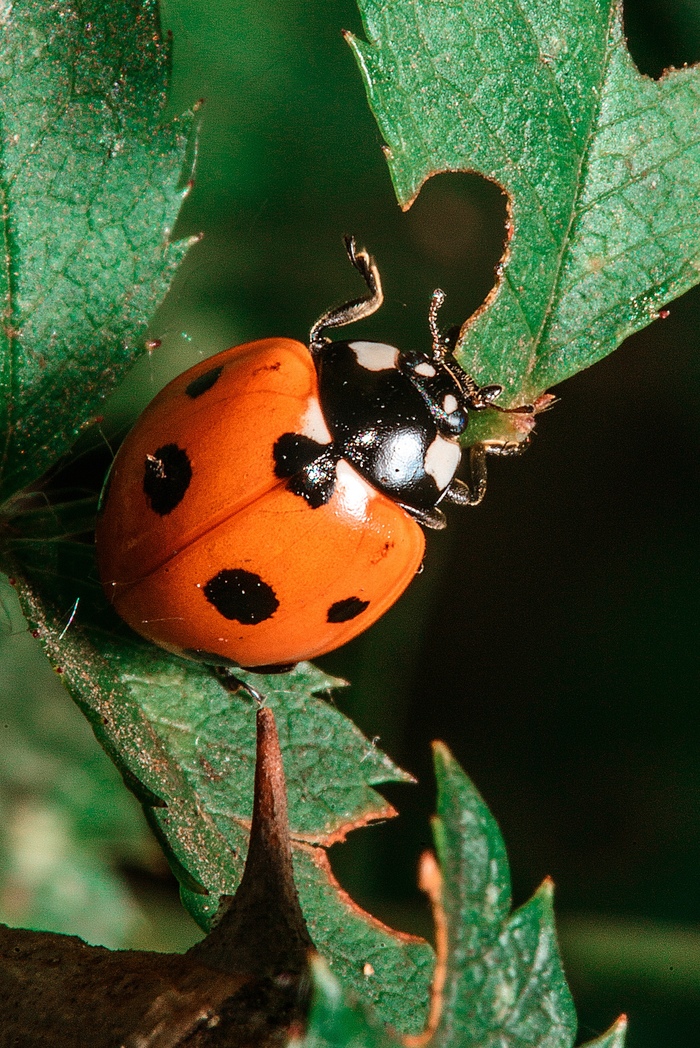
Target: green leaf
(499, 981)
(614, 1038)
(601, 166)
(338, 1019)
(390, 970)
(90, 193)
(504, 983)
(185, 743)
(66, 823)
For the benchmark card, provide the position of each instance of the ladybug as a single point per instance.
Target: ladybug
(269, 503)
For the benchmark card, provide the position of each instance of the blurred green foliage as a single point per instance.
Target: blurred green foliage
(551, 640)
(92, 188)
(69, 830)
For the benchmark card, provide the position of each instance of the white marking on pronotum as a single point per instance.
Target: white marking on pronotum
(72, 616)
(426, 370)
(313, 424)
(449, 404)
(441, 461)
(375, 356)
(352, 490)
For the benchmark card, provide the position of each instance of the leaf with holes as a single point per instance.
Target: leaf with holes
(499, 979)
(601, 166)
(90, 192)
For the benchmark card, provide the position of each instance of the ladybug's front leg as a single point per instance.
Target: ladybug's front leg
(462, 493)
(357, 308)
(432, 518)
(235, 685)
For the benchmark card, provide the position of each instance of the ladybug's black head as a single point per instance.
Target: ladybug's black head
(444, 387)
(448, 392)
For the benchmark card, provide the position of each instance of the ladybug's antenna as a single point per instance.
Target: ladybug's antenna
(356, 309)
(478, 397)
(439, 347)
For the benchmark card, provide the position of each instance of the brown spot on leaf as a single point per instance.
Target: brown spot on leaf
(209, 771)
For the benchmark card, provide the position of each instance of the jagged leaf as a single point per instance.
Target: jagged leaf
(499, 982)
(66, 822)
(389, 969)
(185, 744)
(504, 983)
(600, 163)
(90, 193)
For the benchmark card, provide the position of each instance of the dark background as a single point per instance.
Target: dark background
(552, 640)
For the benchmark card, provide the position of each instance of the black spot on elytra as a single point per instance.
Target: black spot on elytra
(315, 484)
(344, 610)
(204, 382)
(166, 478)
(294, 451)
(310, 467)
(241, 595)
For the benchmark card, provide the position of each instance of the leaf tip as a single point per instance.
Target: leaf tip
(442, 755)
(546, 890)
(357, 47)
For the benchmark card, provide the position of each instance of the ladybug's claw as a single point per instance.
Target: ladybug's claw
(481, 397)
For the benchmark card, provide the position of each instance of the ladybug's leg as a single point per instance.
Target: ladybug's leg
(357, 308)
(463, 494)
(471, 494)
(481, 397)
(234, 684)
(430, 518)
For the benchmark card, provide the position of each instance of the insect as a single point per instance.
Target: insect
(269, 504)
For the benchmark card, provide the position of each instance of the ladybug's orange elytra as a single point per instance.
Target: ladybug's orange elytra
(205, 551)
(266, 507)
